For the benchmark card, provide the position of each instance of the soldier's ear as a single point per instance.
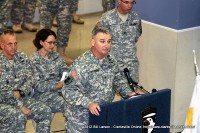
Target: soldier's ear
(92, 42)
(41, 43)
(1, 45)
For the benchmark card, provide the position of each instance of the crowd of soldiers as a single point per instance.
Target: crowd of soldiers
(30, 88)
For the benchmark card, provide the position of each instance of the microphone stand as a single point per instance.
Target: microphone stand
(134, 85)
(144, 91)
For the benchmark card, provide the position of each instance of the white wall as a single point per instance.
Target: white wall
(166, 61)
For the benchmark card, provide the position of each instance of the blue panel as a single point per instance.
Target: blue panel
(189, 14)
(162, 12)
(176, 14)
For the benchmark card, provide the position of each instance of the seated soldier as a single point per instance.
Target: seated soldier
(16, 81)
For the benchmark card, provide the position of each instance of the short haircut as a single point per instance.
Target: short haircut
(42, 35)
(7, 32)
(101, 29)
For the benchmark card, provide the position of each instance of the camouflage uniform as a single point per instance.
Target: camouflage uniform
(23, 11)
(18, 75)
(108, 5)
(10, 114)
(5, 8)
(48, 73)
(124, 38)
(63, 10)
(91, 80)
(75, 6)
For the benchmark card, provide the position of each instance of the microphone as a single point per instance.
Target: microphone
(134, 85)
(127, 74)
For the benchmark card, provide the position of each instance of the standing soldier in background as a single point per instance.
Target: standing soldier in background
(76, 18)
(22, 15)
(5, 8)
(16, 81)
(63, 10)
(108, 5)
(125, 27)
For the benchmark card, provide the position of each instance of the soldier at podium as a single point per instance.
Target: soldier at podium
(94, 79)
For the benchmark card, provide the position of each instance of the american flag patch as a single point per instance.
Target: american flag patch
(74, 75)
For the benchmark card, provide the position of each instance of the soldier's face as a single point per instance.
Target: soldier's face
(101, 45)
(9, 46)
(125, 6)
(49, 44)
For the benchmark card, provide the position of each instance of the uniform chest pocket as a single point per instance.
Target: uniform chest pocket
(94, 82)
(123, 32)
(130, 32)
(116, 31)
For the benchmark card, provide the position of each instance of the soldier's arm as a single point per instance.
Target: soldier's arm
(139, 29)
(6, 92)
(29, 80)
(72, 90)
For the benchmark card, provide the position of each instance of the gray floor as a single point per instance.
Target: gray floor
(79, 42)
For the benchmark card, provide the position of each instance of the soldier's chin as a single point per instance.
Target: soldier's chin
(106, 51)
(13, 52)
(129, 10)
(51, 50)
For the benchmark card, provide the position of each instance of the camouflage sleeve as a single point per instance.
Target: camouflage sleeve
(22, 74)
(139, 30)
(121, 85)
(74, 6)
(73, 90)
(6, 95)
(63, 67)
(29, 80)
(5, 87)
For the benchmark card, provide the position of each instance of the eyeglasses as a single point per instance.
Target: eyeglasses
(126, 2)
(50, 42)
(11, 44)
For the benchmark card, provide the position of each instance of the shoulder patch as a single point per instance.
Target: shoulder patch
(74, 75)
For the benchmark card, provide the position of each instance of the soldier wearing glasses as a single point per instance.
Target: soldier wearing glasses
(49, 67)
(125, 27)
(16, 81)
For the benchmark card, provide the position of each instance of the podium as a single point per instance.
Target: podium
(148, 113)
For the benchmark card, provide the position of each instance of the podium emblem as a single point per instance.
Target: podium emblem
(148, 120)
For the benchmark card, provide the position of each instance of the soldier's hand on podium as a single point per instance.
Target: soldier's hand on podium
(94, 108)
(132, 94)
(140, 91)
